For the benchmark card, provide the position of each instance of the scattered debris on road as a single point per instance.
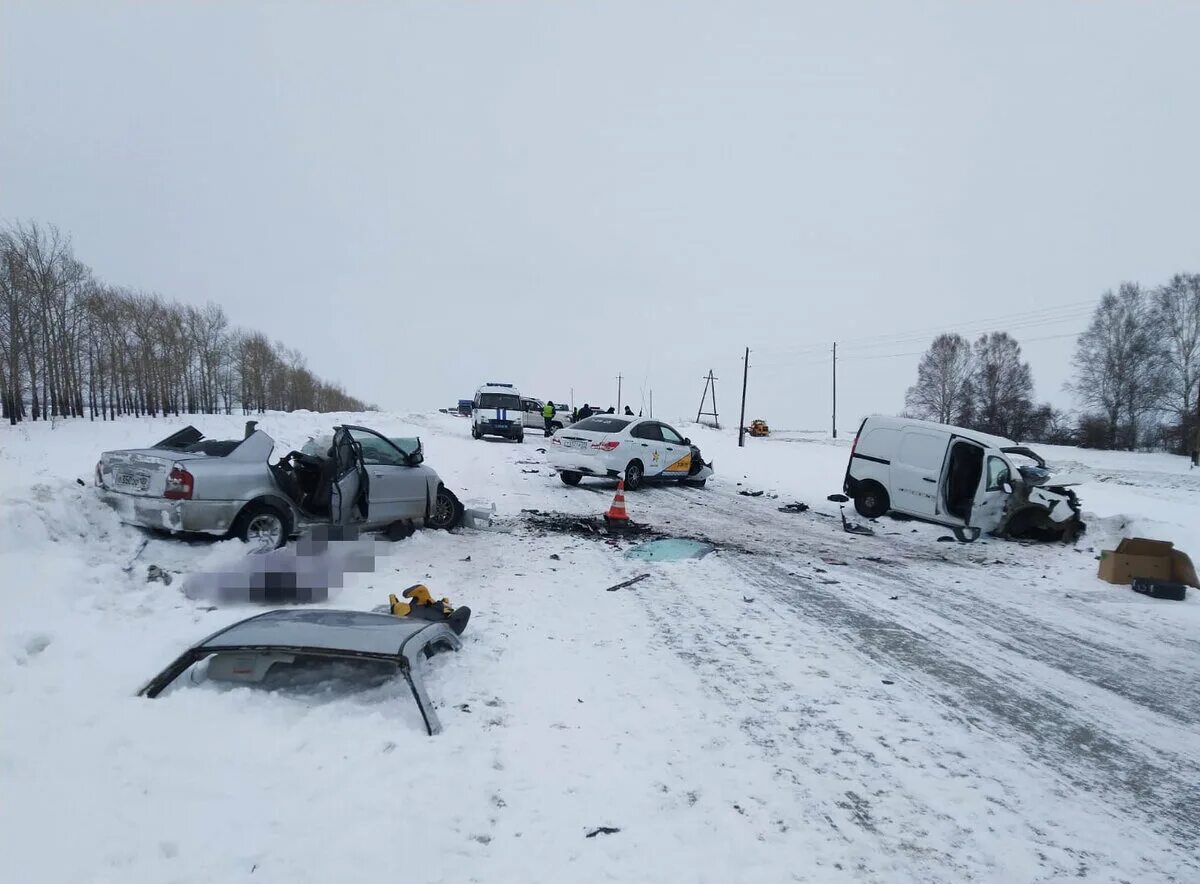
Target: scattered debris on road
(136, 554)
(422, 606)
(794, 508)
(855, 527)
(626, 583)
(671, 549)
(1140, 557)
(586, 526)
(603, 830)
(155, 574)
(1160, 589)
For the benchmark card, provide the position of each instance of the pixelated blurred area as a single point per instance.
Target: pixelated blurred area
(300, 573)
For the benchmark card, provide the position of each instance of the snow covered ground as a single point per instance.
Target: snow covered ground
(802, 705)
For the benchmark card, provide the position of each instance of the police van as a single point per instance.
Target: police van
(496, 411)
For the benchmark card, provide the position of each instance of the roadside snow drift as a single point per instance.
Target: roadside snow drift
(801, 704)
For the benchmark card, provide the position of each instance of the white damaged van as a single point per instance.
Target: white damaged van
(968, 481)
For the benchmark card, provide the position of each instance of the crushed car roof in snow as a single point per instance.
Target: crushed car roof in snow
(326, 633)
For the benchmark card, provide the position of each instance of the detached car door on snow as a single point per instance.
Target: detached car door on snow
(349, 503)
(397, 490)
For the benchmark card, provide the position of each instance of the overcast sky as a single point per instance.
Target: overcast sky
(425, 196)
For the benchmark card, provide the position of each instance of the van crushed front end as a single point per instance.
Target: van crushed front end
(1046, 513)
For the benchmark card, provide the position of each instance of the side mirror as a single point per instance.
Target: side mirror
(687, 441)
(1006, 487)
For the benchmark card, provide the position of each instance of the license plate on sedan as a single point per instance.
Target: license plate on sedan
(140, 481)
(575, 443)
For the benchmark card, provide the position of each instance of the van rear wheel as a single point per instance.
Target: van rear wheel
(871, 500)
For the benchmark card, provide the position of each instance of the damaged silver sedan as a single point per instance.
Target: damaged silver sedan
(291, 648)
(356, 478)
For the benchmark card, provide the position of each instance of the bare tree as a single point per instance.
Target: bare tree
(1175, 323)
(70, 345)
(1002, 385)
(942, 392)
(1118, 364)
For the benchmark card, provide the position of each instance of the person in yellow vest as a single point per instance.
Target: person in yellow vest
(548, 415)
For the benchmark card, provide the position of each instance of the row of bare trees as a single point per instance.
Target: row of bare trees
(72, 346)
(1137, 376)
(986, 385)
(1137, 366)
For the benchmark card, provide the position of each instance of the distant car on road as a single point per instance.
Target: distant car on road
(355, 476)
(639, 449)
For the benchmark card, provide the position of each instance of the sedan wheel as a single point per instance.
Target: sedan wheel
(262, 526)
(447, 511)
(634, 473)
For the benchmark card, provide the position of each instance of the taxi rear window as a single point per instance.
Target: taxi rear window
(602, 423)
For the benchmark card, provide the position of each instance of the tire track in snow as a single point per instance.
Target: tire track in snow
(1164, 684)
(990, 685)
(1163, 789)
(779, 718)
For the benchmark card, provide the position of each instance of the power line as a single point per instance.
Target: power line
(863, 357)
(1023, 319)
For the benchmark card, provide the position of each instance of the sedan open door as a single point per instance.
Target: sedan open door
(351, 488)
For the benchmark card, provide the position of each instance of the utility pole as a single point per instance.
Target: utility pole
(618, 394)
(742, 422)
(835, 389)
(651, 414)
(710, 383)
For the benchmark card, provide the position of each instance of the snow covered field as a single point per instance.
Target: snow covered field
(802, 705)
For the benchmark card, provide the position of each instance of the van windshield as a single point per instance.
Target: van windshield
(499, 400)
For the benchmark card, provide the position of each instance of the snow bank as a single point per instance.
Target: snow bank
(737, 718)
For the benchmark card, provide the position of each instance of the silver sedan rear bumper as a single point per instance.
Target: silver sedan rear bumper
(198, 516)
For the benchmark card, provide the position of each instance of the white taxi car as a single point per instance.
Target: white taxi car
(639, 449)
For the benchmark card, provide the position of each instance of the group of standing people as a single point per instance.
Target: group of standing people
(548, 412)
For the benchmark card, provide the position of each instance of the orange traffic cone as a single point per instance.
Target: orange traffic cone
(616, 512)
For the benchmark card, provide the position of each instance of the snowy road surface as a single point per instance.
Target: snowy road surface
(802, 705)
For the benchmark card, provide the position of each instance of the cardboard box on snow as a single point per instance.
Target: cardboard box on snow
(1140, 557)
